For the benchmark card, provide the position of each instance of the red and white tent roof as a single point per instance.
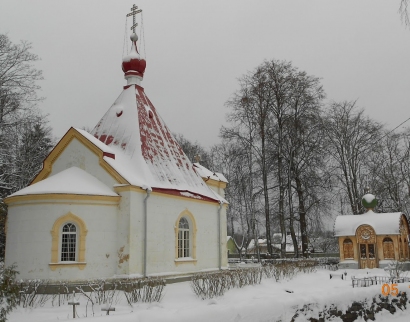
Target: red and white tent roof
(146, 153)
(138, 145)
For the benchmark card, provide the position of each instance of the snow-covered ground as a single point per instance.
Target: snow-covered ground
(269, 301)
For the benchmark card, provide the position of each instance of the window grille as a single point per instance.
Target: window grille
(68, 243)
(183, 238)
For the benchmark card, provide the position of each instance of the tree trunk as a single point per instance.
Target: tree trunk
(291, 221)
(302, 217)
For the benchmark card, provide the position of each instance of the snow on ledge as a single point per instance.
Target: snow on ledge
(75, 181)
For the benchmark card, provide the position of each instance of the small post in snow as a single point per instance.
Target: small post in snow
(73, 303)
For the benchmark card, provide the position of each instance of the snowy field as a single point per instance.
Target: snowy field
(268, 301)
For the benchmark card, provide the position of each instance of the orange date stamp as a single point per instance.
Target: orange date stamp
(390, 289)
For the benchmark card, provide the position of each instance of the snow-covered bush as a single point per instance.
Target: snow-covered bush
(30, 294)
(146, 290)
(9, 290)
(396, 269)
(210, 285)
(287, 269)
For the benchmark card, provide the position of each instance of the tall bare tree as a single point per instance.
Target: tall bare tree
(24, 135)
(351, 136)
(389, 172)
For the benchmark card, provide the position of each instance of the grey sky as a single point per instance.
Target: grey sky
(196, 50)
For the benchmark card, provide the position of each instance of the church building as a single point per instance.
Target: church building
(123, 200)
(372, 240)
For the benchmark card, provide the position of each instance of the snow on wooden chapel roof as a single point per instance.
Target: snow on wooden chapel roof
(382, 223)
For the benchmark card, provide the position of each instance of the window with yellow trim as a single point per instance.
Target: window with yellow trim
(185, 238)
(68, 248)
(68, 242)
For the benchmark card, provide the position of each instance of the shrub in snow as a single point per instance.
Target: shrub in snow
(31, 293)
(9, 290)
(146, 290)
(396, 269)
(35, 293)
(287, 269)
(210, 285)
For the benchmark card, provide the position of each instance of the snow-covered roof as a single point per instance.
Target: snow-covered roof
(263, 243)
(382, 223)
(205, 173)
(146, 153)
(70, 181)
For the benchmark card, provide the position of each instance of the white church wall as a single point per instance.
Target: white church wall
(224, 237)
(130, 234)
(136, 229)
(29, 239)
(220, 191)
(76, 154)
(163, 214)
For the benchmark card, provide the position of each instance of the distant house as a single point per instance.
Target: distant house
(231, 246)
(276, 247)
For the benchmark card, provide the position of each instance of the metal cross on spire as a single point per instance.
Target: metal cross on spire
(133, 12)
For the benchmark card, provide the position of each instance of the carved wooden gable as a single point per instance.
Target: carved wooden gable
(365, 235)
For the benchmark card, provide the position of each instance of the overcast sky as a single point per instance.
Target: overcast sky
(196, 50)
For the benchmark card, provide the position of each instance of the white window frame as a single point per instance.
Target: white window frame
(62, 234)
(184, 238)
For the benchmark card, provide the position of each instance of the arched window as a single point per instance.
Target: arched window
(388, 248)
(348, 249)
(68, 243)
(183, 238)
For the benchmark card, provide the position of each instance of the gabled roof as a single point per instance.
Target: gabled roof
(146, 153)
(382, 223)
(207, 174)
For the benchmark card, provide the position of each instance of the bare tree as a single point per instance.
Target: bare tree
(351, 136)
(24, 134)
(389, 172)
(18, 100)
(404, 12)
(232, 159)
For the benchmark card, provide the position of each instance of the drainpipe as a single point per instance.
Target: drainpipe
(219, 235)
(148, 191)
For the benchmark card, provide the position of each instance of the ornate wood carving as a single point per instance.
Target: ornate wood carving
(403, 240)
(365, 235)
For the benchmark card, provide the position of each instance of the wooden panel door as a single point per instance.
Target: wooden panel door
(367, 255)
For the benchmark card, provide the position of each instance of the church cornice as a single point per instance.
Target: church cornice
(41, 198)
(171, 193)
